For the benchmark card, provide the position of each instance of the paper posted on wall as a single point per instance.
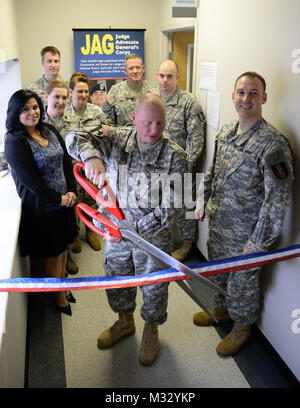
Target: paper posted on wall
(213, 102)
(208, 76)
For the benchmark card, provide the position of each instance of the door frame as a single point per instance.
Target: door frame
(165, 40)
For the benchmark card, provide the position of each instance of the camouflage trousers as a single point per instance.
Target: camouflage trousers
(125, 259)
(243, 284)
(187, 228)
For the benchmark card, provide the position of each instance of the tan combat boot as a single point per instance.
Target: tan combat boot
(93, 240)
(182, 253)
(77, 245)
(71, 266)
(123, 327)
(203, 319)
(234, 340)
(149, 344)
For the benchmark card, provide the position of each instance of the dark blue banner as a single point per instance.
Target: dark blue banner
(100, 54)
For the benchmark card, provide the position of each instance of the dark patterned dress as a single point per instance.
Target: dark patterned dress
(42, 175)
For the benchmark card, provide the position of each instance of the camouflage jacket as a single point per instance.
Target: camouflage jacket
(63, 125)
(247, 190)
(120, 101)
(186, 124)
(92, 118)
(41, 84)
(135, 177)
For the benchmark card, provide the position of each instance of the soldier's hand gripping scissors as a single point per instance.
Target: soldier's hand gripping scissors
(126, 232)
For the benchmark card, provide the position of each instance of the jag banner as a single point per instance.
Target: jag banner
(100, 54)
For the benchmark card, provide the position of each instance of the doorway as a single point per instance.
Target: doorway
(178, 42)
(183, 51)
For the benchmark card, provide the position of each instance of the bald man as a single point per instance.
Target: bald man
(185, 124)
(134, 156)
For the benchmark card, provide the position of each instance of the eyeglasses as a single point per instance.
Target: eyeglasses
(27, 109)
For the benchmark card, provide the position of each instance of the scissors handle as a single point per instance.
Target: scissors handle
(112, 228)
(112, 205)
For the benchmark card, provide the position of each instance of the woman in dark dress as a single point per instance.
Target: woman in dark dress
(42, 171)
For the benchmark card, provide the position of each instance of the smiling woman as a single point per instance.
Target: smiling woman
(42, 172)
(79, 90)
(56, 97)
(29, 118)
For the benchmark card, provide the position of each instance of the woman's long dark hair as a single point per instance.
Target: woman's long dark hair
(15, 105)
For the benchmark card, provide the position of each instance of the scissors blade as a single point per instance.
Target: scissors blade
(195, 298)
(168, 259)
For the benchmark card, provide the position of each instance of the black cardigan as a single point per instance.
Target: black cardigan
(30, 185)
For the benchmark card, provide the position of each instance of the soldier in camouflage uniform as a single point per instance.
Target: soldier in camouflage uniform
(88, 116)
(122, 96)
(51, 64)
(247, 191)
(56, 95)
(98, 94)
(133, 156)
(85, 114)
(186, 126)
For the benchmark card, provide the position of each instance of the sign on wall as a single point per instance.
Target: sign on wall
(100, 54)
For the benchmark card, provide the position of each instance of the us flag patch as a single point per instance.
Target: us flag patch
(109, 99)
(107, 131)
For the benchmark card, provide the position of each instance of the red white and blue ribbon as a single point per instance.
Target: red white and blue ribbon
(205, 269)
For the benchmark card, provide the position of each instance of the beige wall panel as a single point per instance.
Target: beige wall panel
(8, 31)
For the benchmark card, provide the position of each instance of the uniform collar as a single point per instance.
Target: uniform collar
(46, 81)
(244, 136)
(173, 99)
(151, 155)
(87, 114)
(132, 92)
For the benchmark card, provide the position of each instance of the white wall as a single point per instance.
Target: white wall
(8, 51)
(41, 23)
(8, 34)
(239, 36)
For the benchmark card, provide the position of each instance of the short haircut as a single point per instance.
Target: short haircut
(51, 49)
(252, 74)
(56, 84)
(16, 103)
(149, 98)
(168, 60)
(78, 78)
(133, 56)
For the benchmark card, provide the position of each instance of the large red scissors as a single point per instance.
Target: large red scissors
(126, 231)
